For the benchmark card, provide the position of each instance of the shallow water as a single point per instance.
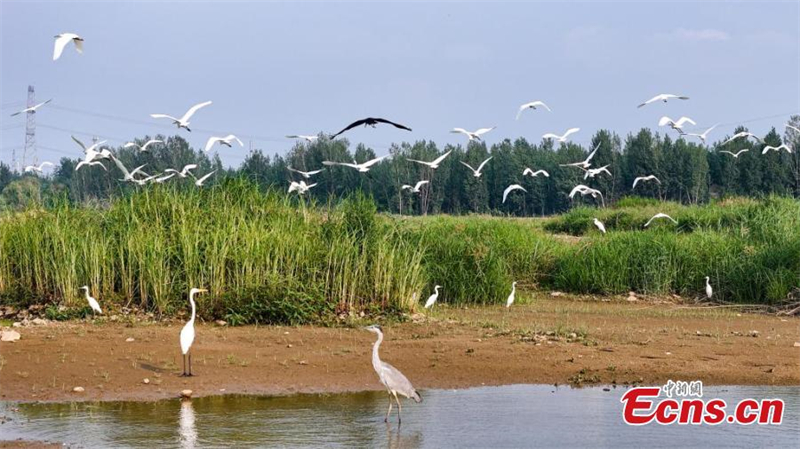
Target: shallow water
(509, 416)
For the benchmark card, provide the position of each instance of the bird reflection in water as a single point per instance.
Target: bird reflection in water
(397, 439)
(188, 431)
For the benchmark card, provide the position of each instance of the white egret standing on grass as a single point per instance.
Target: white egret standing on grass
(92, 302)
(477, 172)
(62, 40)
(659, 215)
(432, 299)
(435, 164)
(187, 333)
(391, 378)
(562, 138)
(599, 225)
(510, 299)
(183, 122)
(664, 98)
(531, 105)
(709, 290)
(510, 189)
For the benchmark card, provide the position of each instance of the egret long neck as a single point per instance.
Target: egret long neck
(191, 301)
(376, 360)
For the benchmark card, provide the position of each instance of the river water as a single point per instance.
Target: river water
(486, 417)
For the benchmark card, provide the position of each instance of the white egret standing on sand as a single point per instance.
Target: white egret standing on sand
(709, 290)
(362, 167)
(183, 122)
(92, 302)
(531, 105)
(435, 164)
(510, 299)
(391, 378)
(599, 225)
(477, 172)
(562, 138)
(432, 299)
(62, 40)
(510, 189)
(664, 98)
(659, 215)
(187, 333)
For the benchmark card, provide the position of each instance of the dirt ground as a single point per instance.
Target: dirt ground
(579, 341)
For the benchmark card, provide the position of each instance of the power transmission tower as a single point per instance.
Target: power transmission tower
(30, 130)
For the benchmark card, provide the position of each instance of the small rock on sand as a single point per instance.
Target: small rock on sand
(78, 390)
(221, 323)
(129, 339)
(754, 333)
(797, 344)
(146, 381)
(186, 394)
(556, 294)
(38, 322)
(9, 336)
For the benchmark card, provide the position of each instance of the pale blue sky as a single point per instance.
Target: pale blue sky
(281, 68)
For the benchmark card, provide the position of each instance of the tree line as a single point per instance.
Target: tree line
(689, 171)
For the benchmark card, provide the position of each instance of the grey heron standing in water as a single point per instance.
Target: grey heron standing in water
(391, 378)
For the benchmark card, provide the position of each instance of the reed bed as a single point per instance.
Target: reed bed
(266, 257)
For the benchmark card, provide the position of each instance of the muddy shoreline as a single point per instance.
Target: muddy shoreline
(578, 341)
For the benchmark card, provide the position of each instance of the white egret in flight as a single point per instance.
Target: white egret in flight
(300, 187)
(187, 333)
(473, 135)
(677, 125)
(362, 168)
(183, 122)
(644, 178)
(510, 189)
(744, 134)
(777, 149)
(62, 40)
(704, 135)
(664, 98)
(534, 174)
(432, 299)
(415, 188)
(531, 105)
(32, 109)
(584, 163)
(142, 148)
(562, 138)
(659, 215)
(736, 154)
(477, 172)
(227, 141)
(391, 378)
(307, 138)
(592, 172)
(585, 190)
(435, 163)
(39, 168)
(306, 174)
(186, 171)
(199, 182)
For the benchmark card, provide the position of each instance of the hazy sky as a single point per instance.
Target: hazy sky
(282, 68)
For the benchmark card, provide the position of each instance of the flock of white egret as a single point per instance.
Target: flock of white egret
(394, 381)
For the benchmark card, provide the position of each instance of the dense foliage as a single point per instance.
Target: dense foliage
(690, 173)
